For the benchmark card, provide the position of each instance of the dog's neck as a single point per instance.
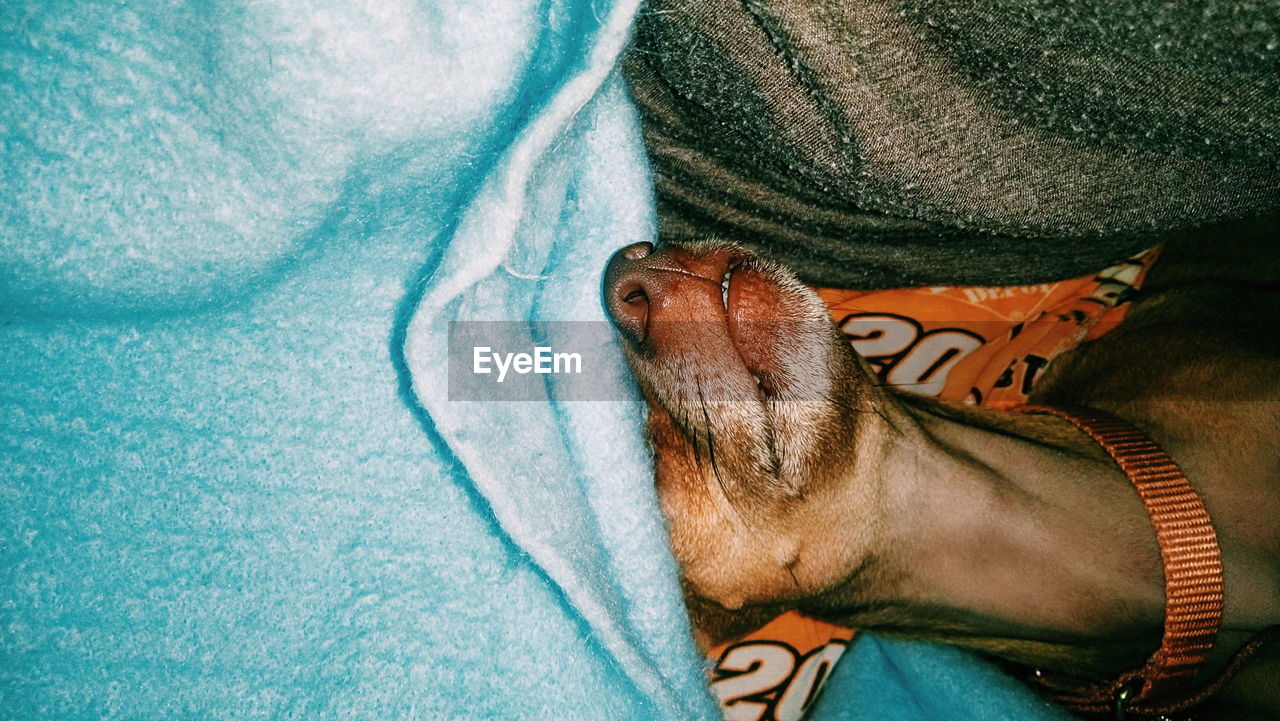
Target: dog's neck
(987, 543)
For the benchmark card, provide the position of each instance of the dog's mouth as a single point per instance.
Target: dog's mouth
(751, 315)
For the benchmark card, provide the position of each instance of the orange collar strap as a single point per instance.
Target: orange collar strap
(1193, 582)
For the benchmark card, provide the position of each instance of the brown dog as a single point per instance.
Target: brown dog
(791, 480)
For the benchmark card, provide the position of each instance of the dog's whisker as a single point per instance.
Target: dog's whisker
(711, 454)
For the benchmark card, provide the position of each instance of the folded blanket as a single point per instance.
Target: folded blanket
(233, 483)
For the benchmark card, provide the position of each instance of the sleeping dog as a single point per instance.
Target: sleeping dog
(793, 480)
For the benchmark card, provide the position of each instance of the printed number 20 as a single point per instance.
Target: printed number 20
(909, 357)
(769, 684)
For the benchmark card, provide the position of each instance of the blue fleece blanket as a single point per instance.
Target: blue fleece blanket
(232, 481)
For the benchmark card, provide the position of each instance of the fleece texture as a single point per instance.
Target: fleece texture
(232, 482)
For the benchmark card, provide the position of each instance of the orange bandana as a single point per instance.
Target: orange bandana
(983, 346)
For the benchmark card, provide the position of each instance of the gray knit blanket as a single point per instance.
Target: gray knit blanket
(879, 143)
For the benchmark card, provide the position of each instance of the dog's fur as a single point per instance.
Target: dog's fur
(791, 480)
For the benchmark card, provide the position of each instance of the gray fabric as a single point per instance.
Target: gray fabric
(878, 143)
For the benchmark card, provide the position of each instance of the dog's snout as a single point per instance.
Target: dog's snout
(625, 291)
(652, 293)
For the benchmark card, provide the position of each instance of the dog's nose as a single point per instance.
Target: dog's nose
(637, 251)
(626, 297)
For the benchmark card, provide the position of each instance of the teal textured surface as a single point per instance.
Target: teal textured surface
(231, 482)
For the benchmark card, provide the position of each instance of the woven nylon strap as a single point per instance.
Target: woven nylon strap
(1193, 584)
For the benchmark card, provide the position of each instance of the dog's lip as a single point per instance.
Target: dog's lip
(731, 295)
(731, 279)
(730, 301)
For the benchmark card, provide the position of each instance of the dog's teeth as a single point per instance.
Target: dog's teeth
(724, 288)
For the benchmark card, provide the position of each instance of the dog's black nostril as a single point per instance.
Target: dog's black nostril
(630, 309)
(637, 251)
(627, 288)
